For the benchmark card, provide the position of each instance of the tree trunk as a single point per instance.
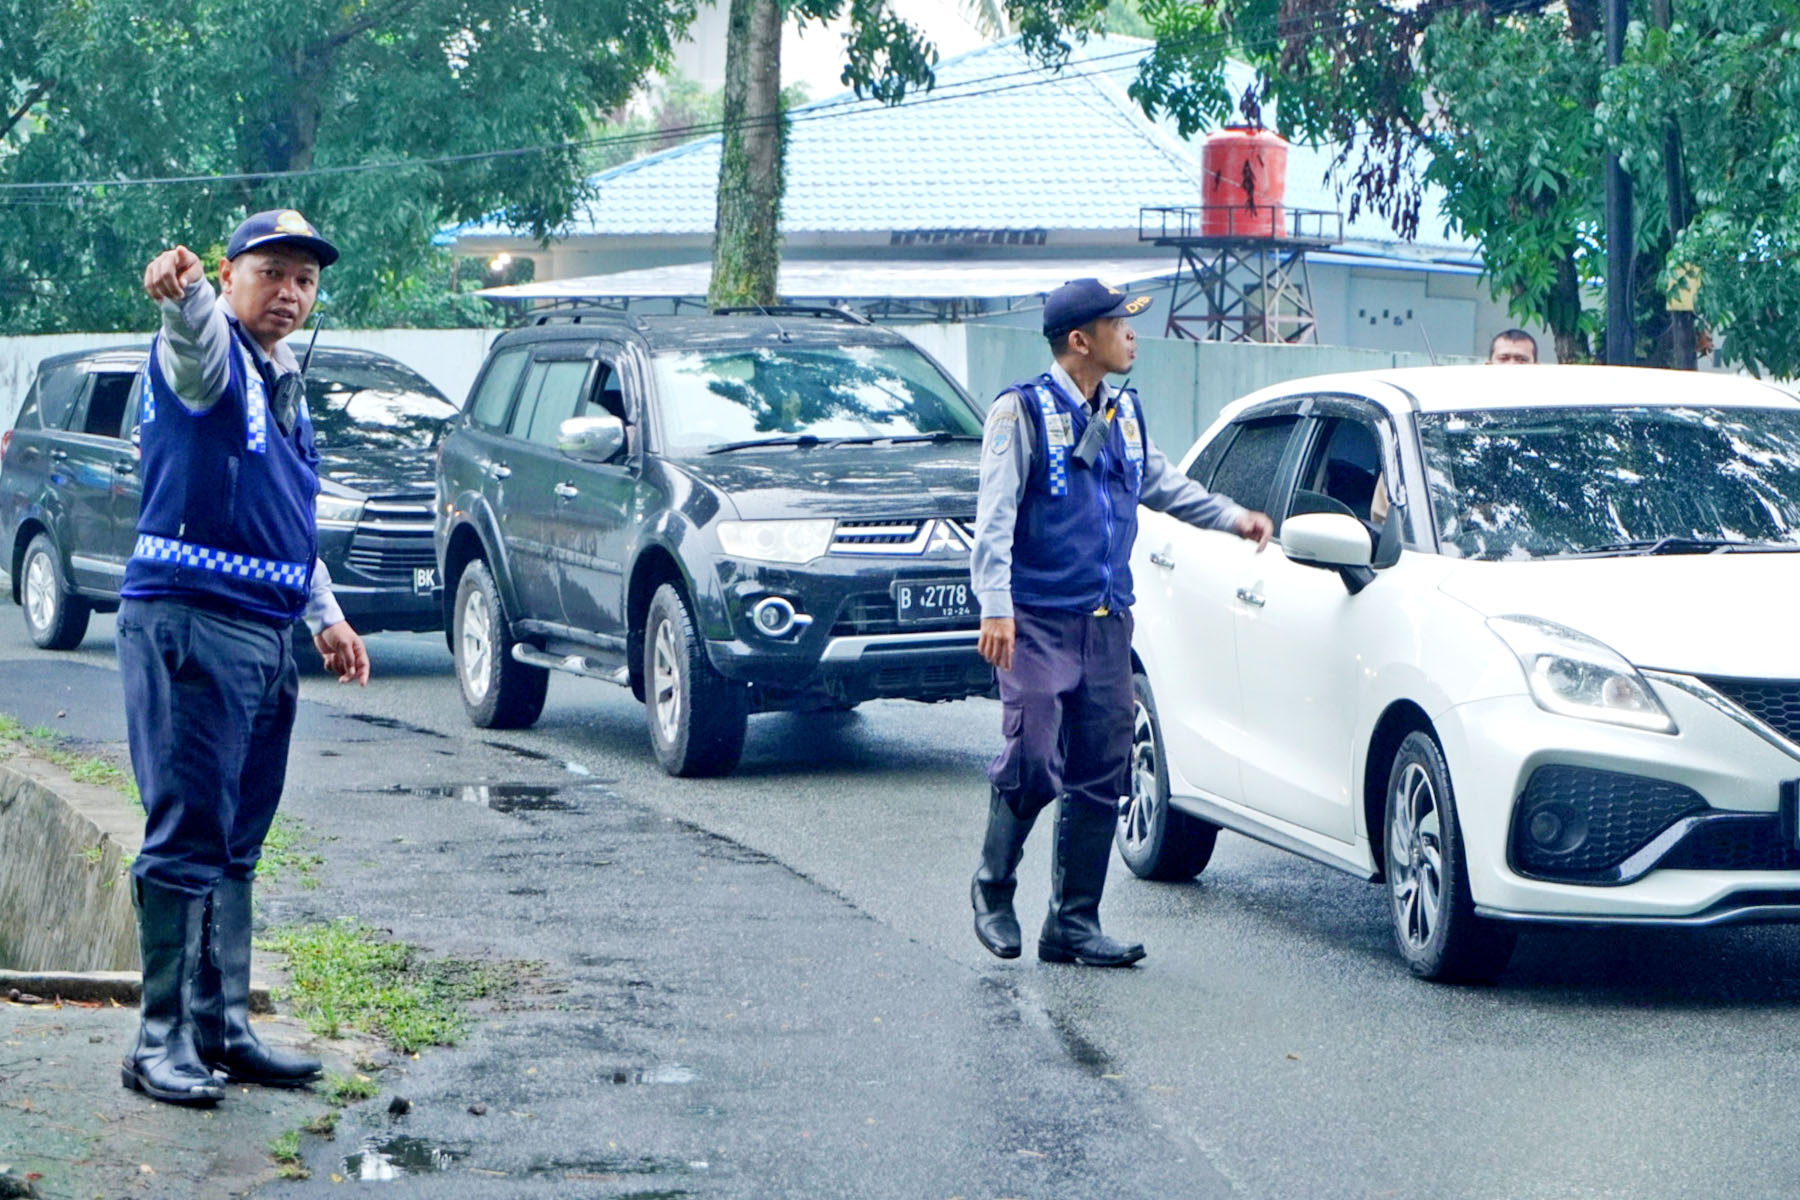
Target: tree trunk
(1563, 313)
(747, 242)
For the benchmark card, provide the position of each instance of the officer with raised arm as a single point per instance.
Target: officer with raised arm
(1065, 463)
(225, 562)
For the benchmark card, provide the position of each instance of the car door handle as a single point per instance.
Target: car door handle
(499, 470)
(1251, 598)
(59, 455)
(567, 490)
(125, 466)
(1159, 559)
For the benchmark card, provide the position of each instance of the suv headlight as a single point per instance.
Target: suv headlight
(337, 511)
(1573, 675)
(777, 541)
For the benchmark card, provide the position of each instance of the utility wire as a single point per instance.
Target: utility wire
(831, 109)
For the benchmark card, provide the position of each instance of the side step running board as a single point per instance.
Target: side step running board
(574, 664)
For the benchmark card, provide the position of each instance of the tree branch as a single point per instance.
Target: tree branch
(36, 94)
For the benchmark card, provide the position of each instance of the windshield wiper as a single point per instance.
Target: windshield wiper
(1671, 544)
(793, 439)
(941, 435)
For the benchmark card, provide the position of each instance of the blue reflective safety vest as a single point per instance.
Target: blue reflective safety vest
(1072, 540)
(227, 511)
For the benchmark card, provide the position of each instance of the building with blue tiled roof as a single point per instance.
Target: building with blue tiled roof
(942, 208)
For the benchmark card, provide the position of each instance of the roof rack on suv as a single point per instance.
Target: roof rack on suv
(574, 315)
(791, 310)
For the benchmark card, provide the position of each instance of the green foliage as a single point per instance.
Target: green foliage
(47, 744)
(357, 88)
(349, 1089)
(285, 1151)
(1511, 110)
(345, 977)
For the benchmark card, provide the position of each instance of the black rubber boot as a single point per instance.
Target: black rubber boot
(227, 1044)
(164, 1063)
(1084, 838)
(996, 879)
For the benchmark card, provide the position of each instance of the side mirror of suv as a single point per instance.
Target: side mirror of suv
(591, 439)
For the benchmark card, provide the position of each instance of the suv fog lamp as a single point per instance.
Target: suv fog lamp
(777, 541)
(337, 511)
(775, 616)
(1574, 675)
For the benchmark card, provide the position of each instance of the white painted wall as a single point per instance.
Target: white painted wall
(449, 358)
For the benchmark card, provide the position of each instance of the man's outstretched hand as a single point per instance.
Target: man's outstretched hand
(171, 273)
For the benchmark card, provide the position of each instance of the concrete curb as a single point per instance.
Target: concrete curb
(116, 987)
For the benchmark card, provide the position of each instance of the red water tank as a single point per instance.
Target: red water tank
(1244, 178)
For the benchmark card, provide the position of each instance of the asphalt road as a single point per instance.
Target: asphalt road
(1270, 1046)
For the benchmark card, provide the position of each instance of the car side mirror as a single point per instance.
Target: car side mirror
(1331, 541)
(591, 439)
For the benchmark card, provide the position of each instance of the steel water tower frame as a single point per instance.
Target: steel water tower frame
(1242, 253)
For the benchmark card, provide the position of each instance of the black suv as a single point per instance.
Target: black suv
(69, 489)
(727, 513)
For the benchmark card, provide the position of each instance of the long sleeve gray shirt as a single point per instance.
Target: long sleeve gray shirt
(195, 358)
(1006, 465)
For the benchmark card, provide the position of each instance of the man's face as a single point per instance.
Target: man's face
(1511, 352)
(1113, 344)
(271, 291)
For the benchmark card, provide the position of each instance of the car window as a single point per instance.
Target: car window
(493, 395)
(1343, 473)
(57, 392)
(549, 397)
(1246, 470)
(103, 411)
(714, 397)
(607, 399)
(373, 403)
(1547, 482)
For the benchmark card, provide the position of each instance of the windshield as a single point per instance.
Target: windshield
(1546, 482)
(373, 405)
(715, 398)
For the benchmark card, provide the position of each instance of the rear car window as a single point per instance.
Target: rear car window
(1246, 471)
(493, 395)
(57, 391)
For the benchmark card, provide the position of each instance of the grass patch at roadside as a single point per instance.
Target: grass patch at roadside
(286, 851)
(47, 744)
(285, 1150)
(343, 977)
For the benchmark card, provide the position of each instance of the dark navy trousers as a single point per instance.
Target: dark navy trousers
(1065, 710)
(209, 703)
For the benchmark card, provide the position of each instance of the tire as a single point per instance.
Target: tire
(697, 717)
(55, 618)
(1156, 841)
(498, 691)
(1435, 926)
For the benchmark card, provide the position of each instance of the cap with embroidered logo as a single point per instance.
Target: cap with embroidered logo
(280, 226)
(1079, 301)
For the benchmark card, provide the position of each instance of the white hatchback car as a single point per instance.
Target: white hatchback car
(1527, 650)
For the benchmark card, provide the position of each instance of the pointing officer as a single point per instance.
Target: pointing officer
(1065, 464)
(225, 562)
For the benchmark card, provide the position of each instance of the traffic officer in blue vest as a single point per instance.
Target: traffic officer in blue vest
(225, 562)
(1065, 463)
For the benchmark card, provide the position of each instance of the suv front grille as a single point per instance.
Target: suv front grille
(912, 535)
(1774, 702)
(393, 538)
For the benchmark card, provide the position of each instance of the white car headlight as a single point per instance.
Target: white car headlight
(1571, 674)
(337, 510)
(777, 541)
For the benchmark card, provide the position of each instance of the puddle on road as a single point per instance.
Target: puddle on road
(381, 722)
(501, 797)
(398, 1157)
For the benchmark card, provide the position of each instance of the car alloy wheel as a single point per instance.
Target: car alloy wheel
(40, 590)
(477, 645)
(665, 683)
(1416, 858)
(1155, 840)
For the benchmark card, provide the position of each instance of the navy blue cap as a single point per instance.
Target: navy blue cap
(280, 226)
(1079, 301)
